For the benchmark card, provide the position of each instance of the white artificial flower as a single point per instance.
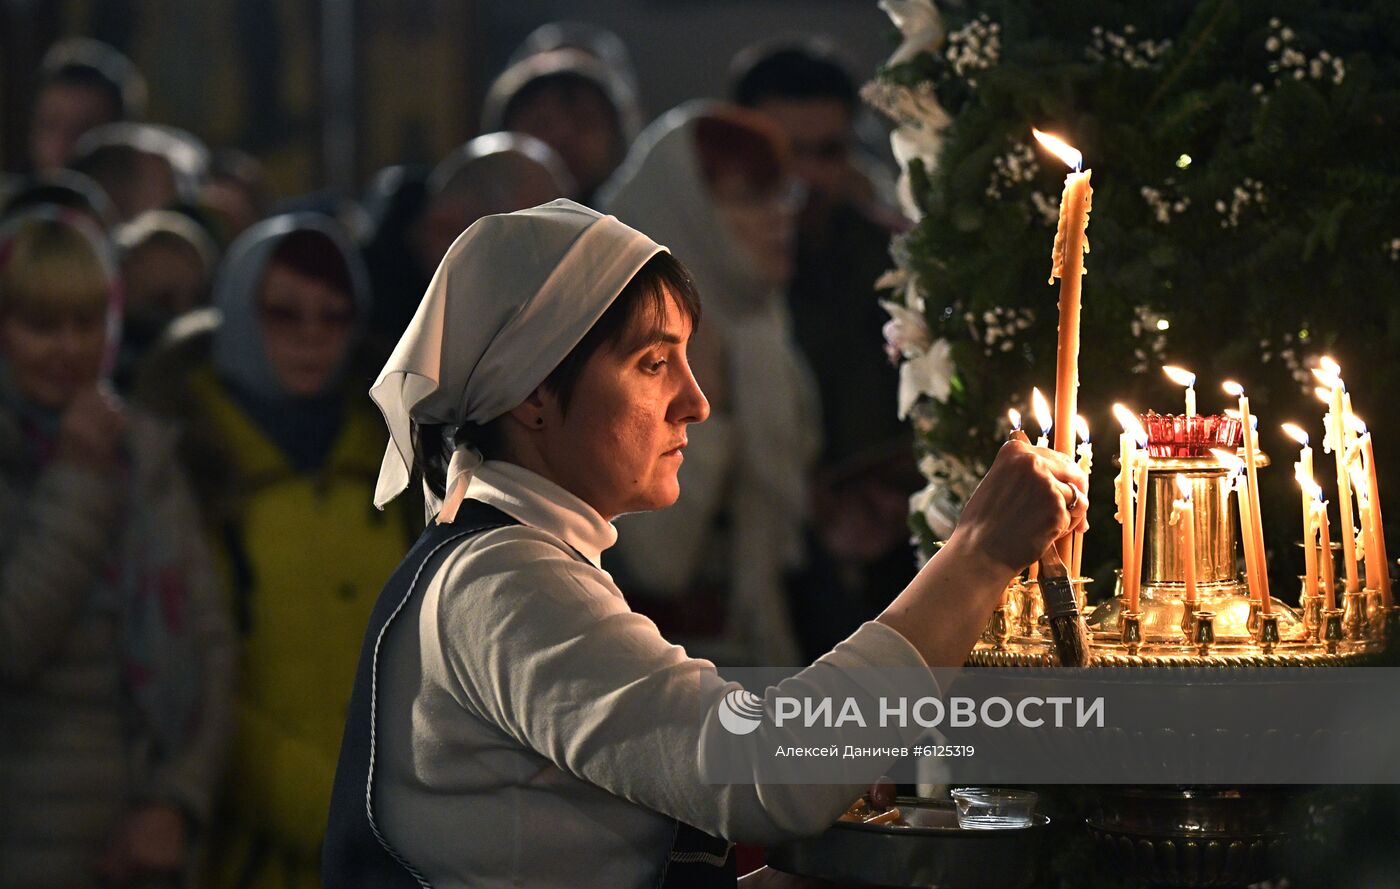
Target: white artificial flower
(929, 502)
(893, 279)
(929, 374)
(906, 331)
(919, 23)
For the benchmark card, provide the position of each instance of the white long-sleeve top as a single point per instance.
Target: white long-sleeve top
(533, 731)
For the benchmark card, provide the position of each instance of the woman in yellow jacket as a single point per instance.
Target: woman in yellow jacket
(284, 449)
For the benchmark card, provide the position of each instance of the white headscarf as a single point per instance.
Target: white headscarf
(661, 187)
(512, 297)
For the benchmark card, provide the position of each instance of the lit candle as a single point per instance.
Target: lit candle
(1368, 541)
(1184, 514)
(1019, 434)
(1304, 474)
(1132, 437)
(1236, 485)
(1310, 495)
(1330, 376)
(1086, 465)
(1067, 264)
(1251, 454)
(1140, 517)
(1368, 454)
(1184, 378)
(1040, 407)
(1329, 579)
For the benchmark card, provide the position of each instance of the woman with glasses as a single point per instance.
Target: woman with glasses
(284, 450)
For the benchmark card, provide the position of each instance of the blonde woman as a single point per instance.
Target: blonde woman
(116, 655)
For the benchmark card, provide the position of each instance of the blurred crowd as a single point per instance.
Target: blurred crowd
(188, 454)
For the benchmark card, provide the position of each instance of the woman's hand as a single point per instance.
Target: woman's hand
(1022, 506)
(1019, 509)
(91, 430)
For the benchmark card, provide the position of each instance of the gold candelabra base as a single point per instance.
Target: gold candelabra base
(1222, 626)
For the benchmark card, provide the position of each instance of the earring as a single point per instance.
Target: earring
(539, 421)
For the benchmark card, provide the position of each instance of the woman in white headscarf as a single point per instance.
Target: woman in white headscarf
(709, 181)
(513, 722)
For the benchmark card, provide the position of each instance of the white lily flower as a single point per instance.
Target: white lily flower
(906, 332)
(929, 374)
(919, 22)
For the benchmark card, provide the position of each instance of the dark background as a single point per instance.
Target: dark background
(324, 92)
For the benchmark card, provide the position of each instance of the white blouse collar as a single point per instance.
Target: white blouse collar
(538, 502)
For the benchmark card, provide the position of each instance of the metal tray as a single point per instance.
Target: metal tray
(931, 852)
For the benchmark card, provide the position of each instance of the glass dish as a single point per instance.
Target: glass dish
(992, 808)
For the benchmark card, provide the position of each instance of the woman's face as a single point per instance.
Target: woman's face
(52, 359)
(761, 221)
(619, 445)
(306, 325)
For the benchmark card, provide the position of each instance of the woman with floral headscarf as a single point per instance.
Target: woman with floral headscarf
(283, 450)
(116, 654)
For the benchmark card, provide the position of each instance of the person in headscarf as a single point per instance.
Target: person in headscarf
(493, 173)
(167, 261)
(599, 42)
(116, 652)
(142, 166)
(236, 191)
(710, 181)
(575, 104)
(67, 189)
(83, 83)
(514, 722)
(284, 450)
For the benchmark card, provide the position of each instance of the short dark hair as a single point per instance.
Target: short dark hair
(806, 69)
(633, 320)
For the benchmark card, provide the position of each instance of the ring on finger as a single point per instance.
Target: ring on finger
(1074, 499)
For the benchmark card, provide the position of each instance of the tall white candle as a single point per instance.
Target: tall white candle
(1184, 378)
(1304, 474)
(1251, 455)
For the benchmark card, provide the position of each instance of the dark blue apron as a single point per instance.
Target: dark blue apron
(355, 854)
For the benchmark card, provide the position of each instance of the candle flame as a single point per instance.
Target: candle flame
(1183, 484)
(1061, 149)
(1041, 408)
(1327, 377)
(1323, 394)
(1081, 427)
(1296, 432)
(1130, 423)
(1232, 388)
(1232, 462)
(1330, 366)
(1015, 417)
(1179, 376)
(1356, 424)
